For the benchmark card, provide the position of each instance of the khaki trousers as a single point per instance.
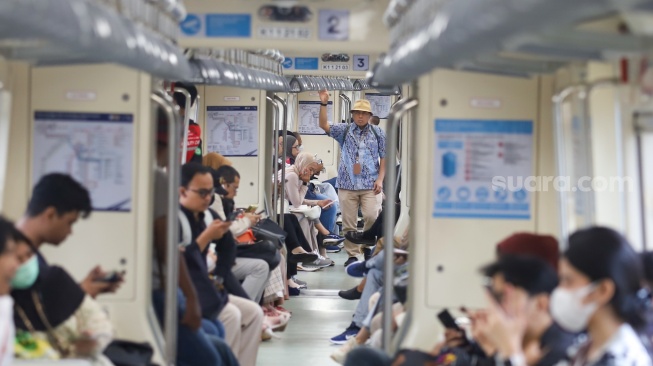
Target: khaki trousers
(243, 323)
(350, 201)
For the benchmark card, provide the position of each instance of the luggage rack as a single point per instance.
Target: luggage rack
(141, 35)
(513, 37)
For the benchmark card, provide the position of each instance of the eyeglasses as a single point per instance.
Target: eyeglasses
(203, 193)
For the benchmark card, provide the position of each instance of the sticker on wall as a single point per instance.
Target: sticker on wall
(381, 104)
(229, 25)
(94, 148)
(309, 117)
(361, 62)
(306, 63)
(273, 13)
(281, 32)
(482, 169)
(334, 25)
(232, 131)
(288, 63)
(192, 25)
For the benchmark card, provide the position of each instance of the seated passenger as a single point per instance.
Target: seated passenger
(242, 318)
(253, 273)
(8, 266)
(56, 204)
(599, 290)
(51, 306)
(297, 177)
(198, 340)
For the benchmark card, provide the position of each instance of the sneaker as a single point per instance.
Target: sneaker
(332, 238)
(343, 337)
(307, 268)
(359, 238)
(357, 269)
(341, 353)
(351, 294)
(341, 245)
(332, 249)
(300, 282)
(350, 261)
(329, 260)
(318, 263)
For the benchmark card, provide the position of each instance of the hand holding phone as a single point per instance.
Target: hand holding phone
(447, 320)
(233, 216)
(112, 277)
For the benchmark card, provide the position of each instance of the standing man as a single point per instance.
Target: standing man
(362, 167)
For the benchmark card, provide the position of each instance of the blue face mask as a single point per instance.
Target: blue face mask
(26, 274)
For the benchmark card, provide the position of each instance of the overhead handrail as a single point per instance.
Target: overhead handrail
(275, 158)
(184, 151)
(440, 34)
(172, 263)
(282, 192)
(79, 31)
(394, 119)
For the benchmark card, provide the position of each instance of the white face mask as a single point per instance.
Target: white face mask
(568, 310)
(300, 148)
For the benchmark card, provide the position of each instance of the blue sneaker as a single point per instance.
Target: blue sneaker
(357, 269)
(332, 249)
(333, 238)
(350, 332)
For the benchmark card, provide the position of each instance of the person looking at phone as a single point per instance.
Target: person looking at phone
(57, 203)
(242, 318)
(362, 167)
(297, 178)
(80, 328)
(253, 273)
(8, 265)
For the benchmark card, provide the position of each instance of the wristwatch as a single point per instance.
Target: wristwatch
(324, 104)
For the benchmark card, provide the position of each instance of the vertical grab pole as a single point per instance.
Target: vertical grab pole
(347, 106)
(172, 275)
(283, 166)
(558, 127)
(275, 158)
(186, 94)
(397, 112)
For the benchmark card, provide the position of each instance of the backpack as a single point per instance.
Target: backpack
(376, 134)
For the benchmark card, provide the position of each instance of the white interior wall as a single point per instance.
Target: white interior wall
(106, 238)
(448, 244)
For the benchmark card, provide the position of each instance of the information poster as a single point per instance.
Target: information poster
(481, 169)
(94, 148)
(309, 117)
(232, 131)
(381, 104)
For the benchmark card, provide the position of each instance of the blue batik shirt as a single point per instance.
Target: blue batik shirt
(369, 149)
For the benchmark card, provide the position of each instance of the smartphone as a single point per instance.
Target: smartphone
(232, 216)
(447, 320)
(113, 276)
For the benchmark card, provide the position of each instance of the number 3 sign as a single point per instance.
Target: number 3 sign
(334, 25)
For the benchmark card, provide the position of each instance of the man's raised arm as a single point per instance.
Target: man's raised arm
(324, 123)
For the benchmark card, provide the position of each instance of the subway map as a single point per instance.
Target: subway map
(232, 131)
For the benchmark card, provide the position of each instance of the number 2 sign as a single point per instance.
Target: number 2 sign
(334, 25)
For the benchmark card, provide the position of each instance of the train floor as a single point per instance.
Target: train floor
(317, 315)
